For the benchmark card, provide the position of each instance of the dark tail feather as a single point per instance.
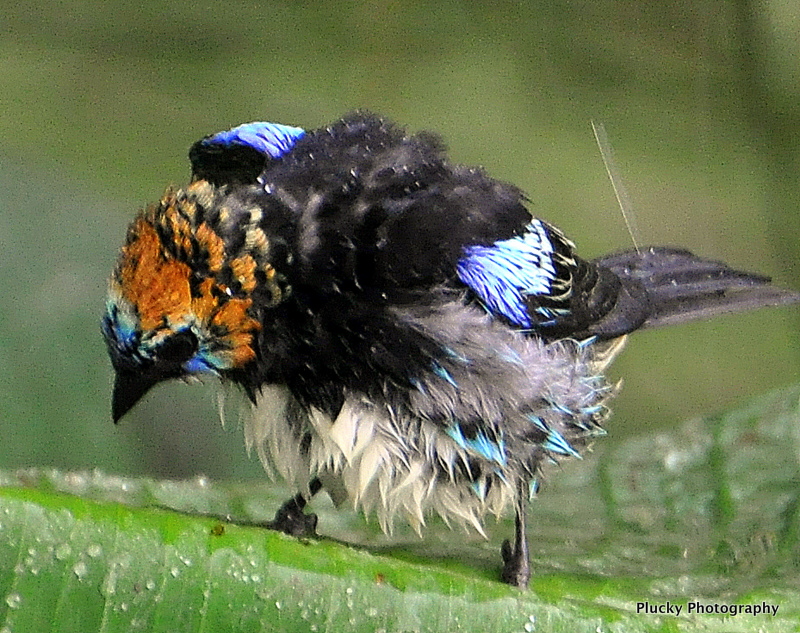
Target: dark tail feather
(682, 287)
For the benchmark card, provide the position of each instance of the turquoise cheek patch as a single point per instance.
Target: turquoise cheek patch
(204, 362)
(121, 324)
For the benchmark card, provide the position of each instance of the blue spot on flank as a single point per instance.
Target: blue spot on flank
(556, 443)
(499, 474)
(504, 274)
(511, 356)
(553, 441)
(539, 423)
(562, 409)
(480, 445)
(480, 488)
(272, 139)
(455, 355)
(443, 373)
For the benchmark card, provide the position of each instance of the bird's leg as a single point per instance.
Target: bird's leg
(516, 561)
(290, 518)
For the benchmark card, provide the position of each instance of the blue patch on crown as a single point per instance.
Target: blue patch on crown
(272, 139)
(505, 273)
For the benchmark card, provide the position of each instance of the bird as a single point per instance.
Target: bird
(410, 338)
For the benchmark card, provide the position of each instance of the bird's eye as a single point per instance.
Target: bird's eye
(178, 347)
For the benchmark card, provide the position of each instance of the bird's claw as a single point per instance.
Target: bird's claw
(290, 519)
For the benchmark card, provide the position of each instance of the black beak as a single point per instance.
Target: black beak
(129, 389)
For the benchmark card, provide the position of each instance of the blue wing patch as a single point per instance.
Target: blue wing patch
(506, 273)
(272, 139)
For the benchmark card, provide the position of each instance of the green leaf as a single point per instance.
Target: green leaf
(708, 514)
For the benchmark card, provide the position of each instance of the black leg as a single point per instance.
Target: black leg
(516, 560)
(290, 518)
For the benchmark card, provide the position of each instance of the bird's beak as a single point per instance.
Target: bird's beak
(129, 389)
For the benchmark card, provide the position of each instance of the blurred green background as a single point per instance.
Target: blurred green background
(99, 102)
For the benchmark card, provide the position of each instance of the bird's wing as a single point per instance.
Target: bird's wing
(537, 283)
(526, 279)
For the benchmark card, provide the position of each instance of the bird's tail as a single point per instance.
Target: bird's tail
(681, 287)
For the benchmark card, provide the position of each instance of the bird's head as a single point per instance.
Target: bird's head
(199, 268)
(185, 297)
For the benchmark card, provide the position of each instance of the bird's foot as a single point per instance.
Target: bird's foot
(516, 567)
(290, 519)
